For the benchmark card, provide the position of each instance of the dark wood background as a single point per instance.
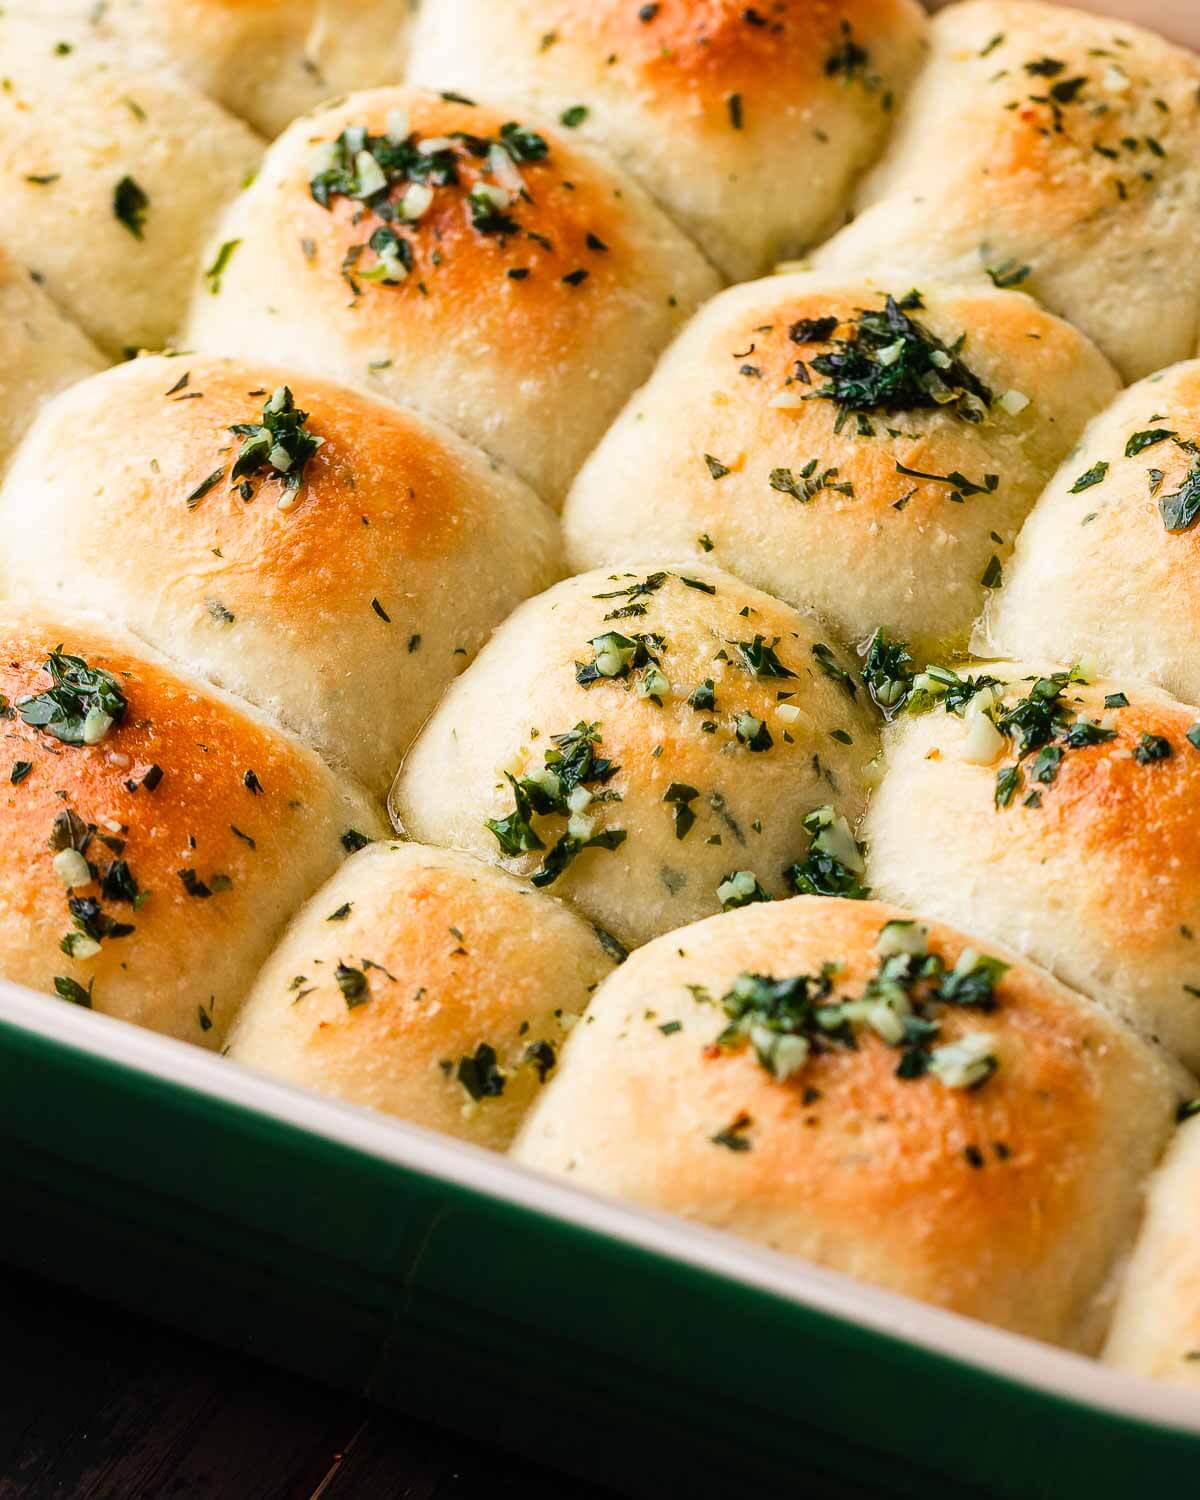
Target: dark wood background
(97, 1405)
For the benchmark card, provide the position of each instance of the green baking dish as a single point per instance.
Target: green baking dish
(616, 1343)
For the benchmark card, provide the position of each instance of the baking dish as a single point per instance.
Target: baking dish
(429, 1275)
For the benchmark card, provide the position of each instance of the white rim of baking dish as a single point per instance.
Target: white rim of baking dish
(1012, 1356)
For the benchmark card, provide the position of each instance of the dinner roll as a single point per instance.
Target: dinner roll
(1054, 151)
(866, 450)
(652, 743)
(837, 1080)
(40, 352)
(1156, 1326)
(427, 985)
(1108, 564)
(266, 60)
(505, 279)
(1059, 816)
(113, 178)
(156, 835)
(717, 109)
(327, 555)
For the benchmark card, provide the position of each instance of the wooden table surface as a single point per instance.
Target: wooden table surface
(97, 1405)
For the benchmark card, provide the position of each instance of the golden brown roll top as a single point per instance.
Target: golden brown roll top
(1108, 563)
(327, 555)
(113, 177)
(425, 984)
(842, 1082)
(155, 835)
(716, 108)
(41, 351)
(855, 446)
(1156, 1324)
(653, 744)
(497, 274)
(266, 60)
(1060, 817)
(1055, 151)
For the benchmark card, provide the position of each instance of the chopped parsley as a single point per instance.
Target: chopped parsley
(213, 273)
(1150, 748)
(828, 664)
(567, 785)
(353, 985)
(681, 796)
(759, 657)
(752, 732)
(961, 486)
(787, 1021)
(82, 705)
(1009, 274)
(1138, 442)
(202, 489)
(813, 330)
(279, 443)
(890, 363)
(808, 482)
(734, 1137)
(542, 1057)
(1040, 724)
(130, 206)
(395, 176)
(1179, 511)
(885, 672)
(834, 864)
(716, 468)
(481, 1075)
(851, 62)
(71, 990)
(740, 888)
(616, 656)
(201, 889)
(1094, 475)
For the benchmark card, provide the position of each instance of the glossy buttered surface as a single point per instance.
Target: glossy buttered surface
(341, 594)
(303, 569)
(711, 1079)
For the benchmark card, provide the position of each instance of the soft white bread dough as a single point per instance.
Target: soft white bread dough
(192, 823)
(541, 287)
(1096, 571)
(1156, 1325)
(1010, 1200)
(1097, 879)
(41, 351)
(266, 60)
(1177, 19)
(425, 984)
(814, 506)
(748, 124)
(342, 606)
(1058, 151)
(716, 757)
(113, 179)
